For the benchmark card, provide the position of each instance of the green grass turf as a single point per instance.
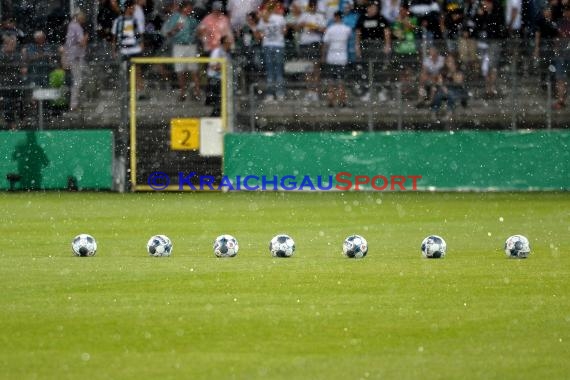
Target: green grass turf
(124, 315)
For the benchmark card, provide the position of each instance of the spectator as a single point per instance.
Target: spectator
(271, 31)
(215, 75)
(108, 11)
(404, 47)
(12, 77)
(127, 35)
(8, 28)
(489, 29)
(311, 25)
(248, 45)
(350, 18)
(181, 29)
(451, 22)
(429, 75)
(390, 10)
(335, 42)
(513, 17)
(39, 56)
(428, 15)
(562, 62)
(449, 88)
(239, 10)
(213, 27)
(74, 50)
(546, 33)
(373, 36)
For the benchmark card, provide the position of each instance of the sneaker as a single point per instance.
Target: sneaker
(280, 98)
(382, 97)
(365, 97)
(269, 99)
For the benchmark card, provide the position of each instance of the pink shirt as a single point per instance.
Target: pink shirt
(212, 28)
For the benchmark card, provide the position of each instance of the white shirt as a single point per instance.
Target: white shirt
(309, 36)
(391, 9)
(509, 6)
(127, 38)
(218, 52)
(272, 31)
(238, 10)
(336, 37)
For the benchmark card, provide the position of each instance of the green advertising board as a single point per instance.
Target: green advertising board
(477, 161)
(51, 159)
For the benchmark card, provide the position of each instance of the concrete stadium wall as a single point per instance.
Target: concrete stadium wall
(478, 161)
(45, 160)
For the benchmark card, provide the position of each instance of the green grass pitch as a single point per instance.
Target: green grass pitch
(317, 315)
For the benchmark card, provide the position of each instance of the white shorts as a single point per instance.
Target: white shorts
(186, 51)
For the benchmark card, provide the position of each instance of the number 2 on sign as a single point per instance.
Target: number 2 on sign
(184, 134)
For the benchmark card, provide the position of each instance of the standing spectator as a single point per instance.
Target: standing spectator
(350, 18)
(108, 11)
(249, 46)
(513, 17)
(372, 37)
(271, 31)
(404, 47)
(391, 10)
(181, 29)
(127, 35)
(74, 49)
(238, 11)
(489, 29)
(213, 27)
(312, 26)
(335, 42)
(451, 22)
(562, 61)
(12, 76)
(215, 75)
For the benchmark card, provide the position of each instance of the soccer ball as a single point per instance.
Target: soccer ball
(159, 245)
(226, 246)
(355, 247)
(433, 247)
(517, 246)
(282, 246)
(84, 245)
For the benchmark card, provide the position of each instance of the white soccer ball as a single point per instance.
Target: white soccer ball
(434, 247)
(282, 246)
(355, 247)
(84, 245)
(517, 246)
(226, 246)
(159, 245)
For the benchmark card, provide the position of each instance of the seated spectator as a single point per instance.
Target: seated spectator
(8, 28)
(450, 88)
(39, 56)
(429, 75)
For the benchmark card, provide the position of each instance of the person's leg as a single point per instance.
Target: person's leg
(279, 68)
(270, 71)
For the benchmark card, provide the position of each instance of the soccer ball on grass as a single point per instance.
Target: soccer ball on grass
(517, 246)
(434, 247)
(355, 247)
(282, 246)
(225, 246)
(84, 245)
(159, 245)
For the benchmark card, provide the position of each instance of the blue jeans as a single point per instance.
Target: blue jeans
(274, 60)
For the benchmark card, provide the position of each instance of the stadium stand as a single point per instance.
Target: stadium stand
(508, 82)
